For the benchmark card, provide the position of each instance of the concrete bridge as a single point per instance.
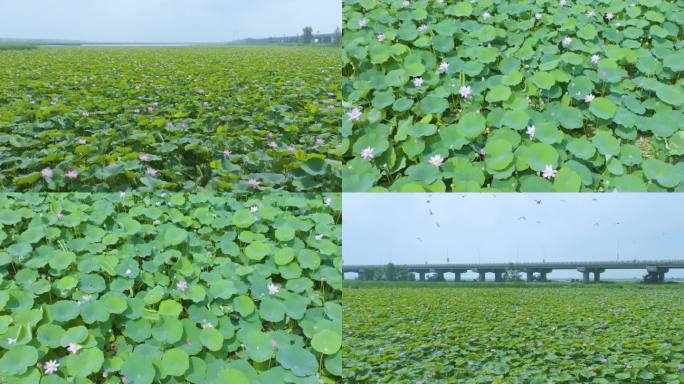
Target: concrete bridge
(655, 269)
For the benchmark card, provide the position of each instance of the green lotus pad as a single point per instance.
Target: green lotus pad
(170, 287)
(223, 118)
(617, 333)
(483, 84)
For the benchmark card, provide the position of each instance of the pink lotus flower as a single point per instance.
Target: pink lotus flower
(327, 201)
(368, 153)
(143, 157)
(273, 289)
(273, 144)
(46, 173)
(363, 23)
(169, 124)
(320, 141)
(381, 37)
(465, 91)
(151, 172)
(591, 13)
(82, 141)
(609, 16)
(73, 347)
(60, 216)
(72, 174)
(274, 343)
(443, 67)
(354, 114)
(182, 285)
(86, 114)
(291, 149)
(548, 172)
(418, 81)
(227, 153)
(254, 184)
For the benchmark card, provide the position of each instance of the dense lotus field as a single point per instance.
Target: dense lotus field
(557, 95)
(170, 288)
(514, 335)
(224, 118)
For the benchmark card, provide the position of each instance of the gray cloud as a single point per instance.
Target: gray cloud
(164, 20)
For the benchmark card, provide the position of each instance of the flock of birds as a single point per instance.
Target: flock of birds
(520, 218)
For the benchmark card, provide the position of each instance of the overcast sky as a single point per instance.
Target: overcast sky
(484, 227)
(165, 20)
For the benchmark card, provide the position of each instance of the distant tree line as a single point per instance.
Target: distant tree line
(389, 272)
(307, 37)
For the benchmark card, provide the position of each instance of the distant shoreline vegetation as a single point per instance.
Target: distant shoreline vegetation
(16, 46)
(306, 38)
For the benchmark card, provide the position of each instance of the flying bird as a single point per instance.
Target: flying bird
(430, 211)
(537, 201)
(522, 218)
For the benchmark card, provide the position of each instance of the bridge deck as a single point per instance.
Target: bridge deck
(627, 264)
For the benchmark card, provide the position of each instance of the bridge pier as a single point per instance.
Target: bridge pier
(656, 274)
(440, 276)
(421, 276)
(530, 276)
(457, 274)
(481, 276)
(597, 275)
(498, 276)
(586, 274)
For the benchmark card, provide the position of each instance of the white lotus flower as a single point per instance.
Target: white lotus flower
(51, 367)
(73, 347)
(588, 98)
(273, 289)
(436, 160)
(531, 131)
